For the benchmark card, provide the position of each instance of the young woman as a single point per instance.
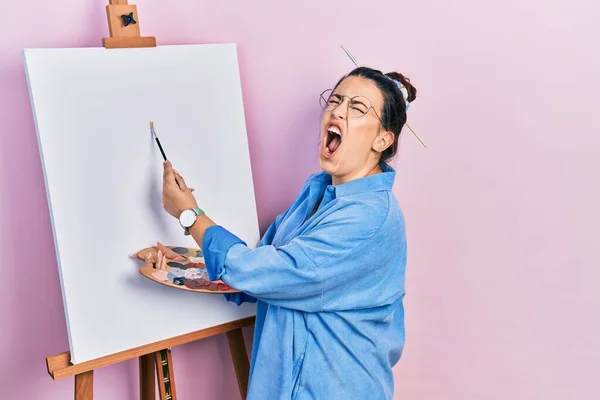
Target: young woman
(328, 275)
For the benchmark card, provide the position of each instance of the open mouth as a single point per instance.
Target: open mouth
(332, 140)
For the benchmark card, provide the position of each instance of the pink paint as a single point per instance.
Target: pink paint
(503, 270)
(161, 275)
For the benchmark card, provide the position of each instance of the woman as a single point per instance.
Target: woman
(328, 275)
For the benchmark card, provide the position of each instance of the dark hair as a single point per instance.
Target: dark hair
(393, 114)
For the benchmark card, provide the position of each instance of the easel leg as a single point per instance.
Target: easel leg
(237, 347)
(147, 380)
(84, 386)
(165, 375)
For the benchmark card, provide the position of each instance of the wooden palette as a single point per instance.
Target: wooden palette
(184, 269)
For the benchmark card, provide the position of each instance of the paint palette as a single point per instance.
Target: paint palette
(184, 269)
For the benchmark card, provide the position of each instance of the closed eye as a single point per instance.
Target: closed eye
(335, 99)
(359, 106)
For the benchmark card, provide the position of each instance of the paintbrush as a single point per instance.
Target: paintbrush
(161, 148)
(157, 141)
(409, 127)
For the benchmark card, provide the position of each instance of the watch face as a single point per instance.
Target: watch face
(187, 218)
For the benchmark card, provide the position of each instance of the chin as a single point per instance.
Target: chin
(327, 166)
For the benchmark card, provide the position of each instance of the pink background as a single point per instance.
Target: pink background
(502, 208)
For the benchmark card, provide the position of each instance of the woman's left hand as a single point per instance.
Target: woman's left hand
(177, 197)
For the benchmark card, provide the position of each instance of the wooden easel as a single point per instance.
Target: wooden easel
(124, 27)
(154, 358)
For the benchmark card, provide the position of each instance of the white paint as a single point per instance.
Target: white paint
(103, 175)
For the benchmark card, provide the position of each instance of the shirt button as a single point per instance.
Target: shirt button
(330, 188)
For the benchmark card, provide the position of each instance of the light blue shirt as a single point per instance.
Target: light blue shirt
(329, 291)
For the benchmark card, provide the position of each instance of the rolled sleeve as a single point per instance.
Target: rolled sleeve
(216, 243)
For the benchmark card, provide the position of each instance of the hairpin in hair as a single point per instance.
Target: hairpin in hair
(350, 55)
(400, 86)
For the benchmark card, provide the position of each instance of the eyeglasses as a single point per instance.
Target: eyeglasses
(358, 106)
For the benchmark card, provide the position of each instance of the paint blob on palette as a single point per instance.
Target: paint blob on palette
(184, 269)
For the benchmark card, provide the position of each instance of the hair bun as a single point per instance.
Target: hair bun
(412, 91)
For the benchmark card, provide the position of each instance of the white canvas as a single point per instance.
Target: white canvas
(103, 174)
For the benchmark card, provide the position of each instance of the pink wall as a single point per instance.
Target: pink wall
(502, 300)
(502, 209)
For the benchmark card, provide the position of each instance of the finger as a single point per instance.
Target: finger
(178, 179)
(170, 253)
(160, 256)
(164, 177)
(148, 261)
(180, 182)
(164, 263)
(144, 256)
(168, 173)
(141, 255)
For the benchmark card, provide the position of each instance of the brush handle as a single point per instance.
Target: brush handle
(161, 149)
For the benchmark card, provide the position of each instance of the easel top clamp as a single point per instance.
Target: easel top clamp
(124, 29)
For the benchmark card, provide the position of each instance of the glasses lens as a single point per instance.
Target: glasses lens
(358, 106)
(324, 100)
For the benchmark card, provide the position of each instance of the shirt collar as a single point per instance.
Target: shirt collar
(378, 182)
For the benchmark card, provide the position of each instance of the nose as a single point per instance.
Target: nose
(341, 110)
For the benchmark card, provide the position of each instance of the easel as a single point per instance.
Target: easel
(124, 27)
(155, 356)
(124, 32)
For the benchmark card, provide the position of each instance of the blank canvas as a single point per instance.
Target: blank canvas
(103, 174)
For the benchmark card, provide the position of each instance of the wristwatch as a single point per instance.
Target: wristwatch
(188, 217)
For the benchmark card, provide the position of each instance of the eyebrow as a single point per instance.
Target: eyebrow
(358, 102)
(339, 97)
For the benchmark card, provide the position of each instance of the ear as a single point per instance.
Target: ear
(384, 140)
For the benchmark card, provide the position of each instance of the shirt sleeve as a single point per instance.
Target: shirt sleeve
(239, 298)
(316, 271)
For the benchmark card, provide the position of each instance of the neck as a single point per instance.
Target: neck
(367, 171)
